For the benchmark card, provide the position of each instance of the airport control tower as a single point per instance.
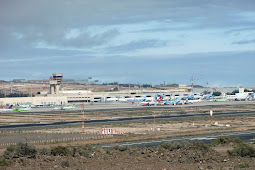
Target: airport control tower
(55, 82)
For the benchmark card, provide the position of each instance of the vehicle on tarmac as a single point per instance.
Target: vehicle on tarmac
(68, 107)
(21, 109)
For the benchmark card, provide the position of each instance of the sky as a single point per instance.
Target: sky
(134, 41)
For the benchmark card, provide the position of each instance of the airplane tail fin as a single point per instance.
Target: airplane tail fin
(156, 97)
(159, 99)
(10, 107)
(144, 98)
(191, 97)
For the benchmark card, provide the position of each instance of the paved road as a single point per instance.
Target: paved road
(144, 118)
(246, 136)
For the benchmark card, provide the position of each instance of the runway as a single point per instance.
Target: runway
(246, 136)
(105, 121)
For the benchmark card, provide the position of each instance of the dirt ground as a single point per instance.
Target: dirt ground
(196, 157)
(139, 158)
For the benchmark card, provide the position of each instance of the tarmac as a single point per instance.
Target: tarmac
(135, 105)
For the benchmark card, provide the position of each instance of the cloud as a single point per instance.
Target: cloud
(244, 42)
(84, 40)
(136, 45)
(99, 37)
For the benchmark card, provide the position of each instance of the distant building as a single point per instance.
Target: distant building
(19, 81)
(39, 81)
(78, 81)
(75, 81)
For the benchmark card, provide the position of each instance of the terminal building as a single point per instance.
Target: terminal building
(54, 99)
(58, 97)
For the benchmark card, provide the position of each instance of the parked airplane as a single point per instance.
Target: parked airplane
(251, 96)
(21, 109)
(207, 96)
(173, 102)
(112, 99)
(68, 107)
(126, 99)
(139, 99)
(194, 101)
(148, 103)
(7, 110)
(237, 97)
(157, 100)
(197, 96)
(187, 97)
(218, 99)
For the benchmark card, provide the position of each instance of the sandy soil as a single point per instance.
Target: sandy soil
(196, 157)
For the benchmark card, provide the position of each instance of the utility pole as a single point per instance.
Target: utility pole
(192, 80)
(31, 91)
(207, 86)
(83, 118)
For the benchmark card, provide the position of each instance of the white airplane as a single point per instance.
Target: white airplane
(7, 110)
(112, 99)
(126, 99)
(194, 101)
(236, 97)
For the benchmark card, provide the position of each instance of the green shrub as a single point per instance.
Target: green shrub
(225, 140)
(65, 164)
(59, 150)
(10, 152)
(85, 151)
(44, 151)
(108, 152)
(3, 162)
(183, 145)
(161, 150)
(242, 165)
(170, 145)
(242, 150)
(87, 147)
(26, 150)
(123, 148)
(120, 148)
(198, 145)
(20, 150)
